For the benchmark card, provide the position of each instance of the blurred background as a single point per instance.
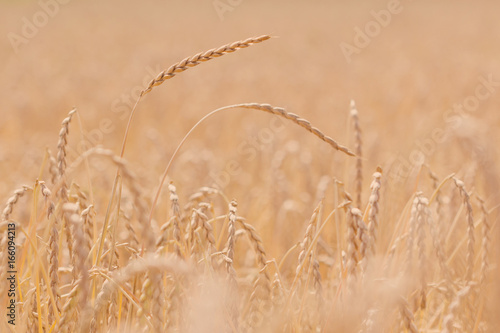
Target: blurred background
(407, 64)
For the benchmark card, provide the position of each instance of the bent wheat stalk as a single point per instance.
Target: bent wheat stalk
(168, 74)
(261, 107)
(186, 64)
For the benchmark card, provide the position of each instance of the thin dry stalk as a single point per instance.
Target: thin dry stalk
(470, 227)
(199, 58)
(61, 155)
(358, 144)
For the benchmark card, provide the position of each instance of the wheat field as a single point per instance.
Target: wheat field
(249, 166)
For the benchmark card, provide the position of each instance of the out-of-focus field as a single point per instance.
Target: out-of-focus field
(407, 82)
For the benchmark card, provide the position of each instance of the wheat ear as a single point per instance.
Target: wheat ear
(229, 259)
(358, 144)
(61, 154)
(199, 58)
(256, 241)
(308, 237)
(231, 235)
(53, 170)
(262, 286)
(87, 216)
(207, 227)
(80, 256)
(355, 217)
(374, 208)
(65, 323)
(165, 75)
(11, 202)
(53, 248)
(174, 201)
(297, 120)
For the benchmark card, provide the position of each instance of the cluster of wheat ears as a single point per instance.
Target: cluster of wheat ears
(127, 270)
